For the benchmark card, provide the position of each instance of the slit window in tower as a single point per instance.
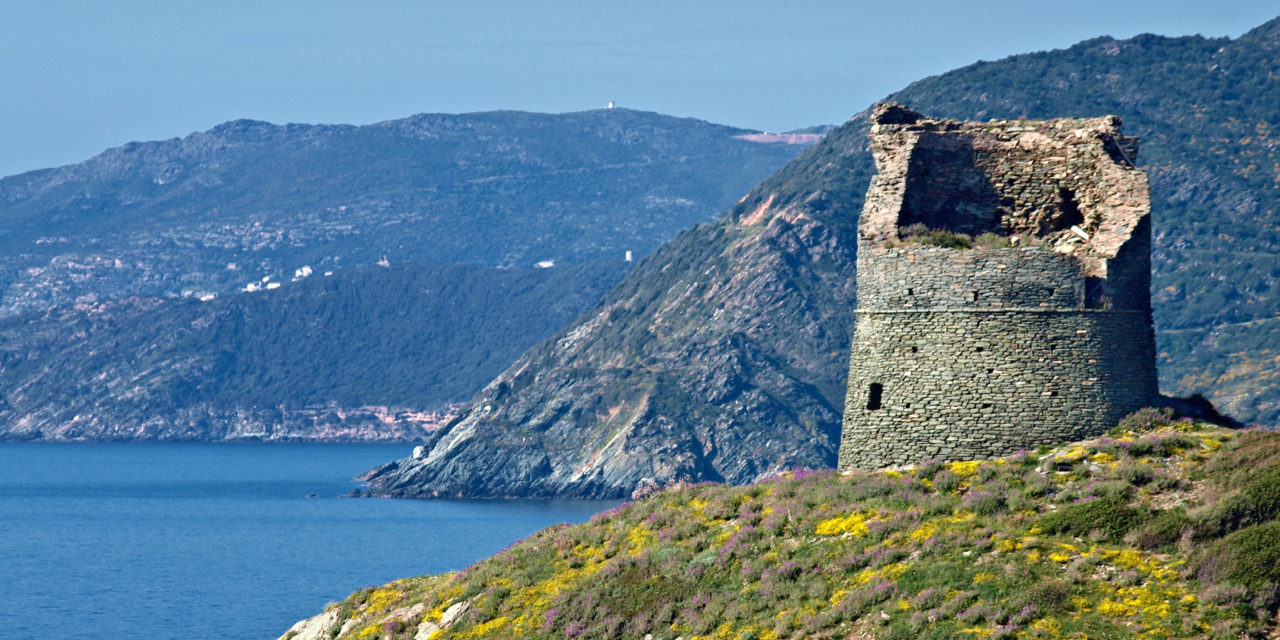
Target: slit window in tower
(975, 296)
(873, 398)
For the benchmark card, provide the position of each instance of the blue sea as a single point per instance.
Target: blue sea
(220, 541)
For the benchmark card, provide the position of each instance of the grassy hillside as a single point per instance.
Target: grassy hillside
(1162, 529)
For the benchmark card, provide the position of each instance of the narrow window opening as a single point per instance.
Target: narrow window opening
(914, 349)
(911, 292)
(975, 296)
(991, 370)
(986, 406)
(873, 399)
(979, 349)
(1053, 393)
(1050, 292)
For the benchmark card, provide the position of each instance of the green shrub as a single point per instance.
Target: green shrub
(984, 502)
(990, 240)
(946, 239)
(946, 481)
(1161, 444)
(1247, 455)
(1136, 473)
(1163, 530)
(920, 234)
(1047, 595)
(929, 468)
(1145, 419)
(1248, 557)
(1111, 515)
(1257, 502)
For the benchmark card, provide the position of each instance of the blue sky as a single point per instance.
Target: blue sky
(78, 77)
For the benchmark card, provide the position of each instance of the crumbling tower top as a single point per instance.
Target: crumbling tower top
(1069, 184)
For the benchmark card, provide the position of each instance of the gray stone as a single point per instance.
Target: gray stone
(1007, 347)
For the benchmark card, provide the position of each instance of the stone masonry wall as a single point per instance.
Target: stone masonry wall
(960, 385)
(932, 277)
(972, 353)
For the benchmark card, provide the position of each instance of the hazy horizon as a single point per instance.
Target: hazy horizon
(83, 77)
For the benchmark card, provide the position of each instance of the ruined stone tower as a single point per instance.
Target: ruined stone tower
(1038, 331)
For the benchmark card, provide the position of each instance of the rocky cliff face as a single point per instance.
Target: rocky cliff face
(717, 358)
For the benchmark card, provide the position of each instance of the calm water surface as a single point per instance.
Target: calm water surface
(200, 541)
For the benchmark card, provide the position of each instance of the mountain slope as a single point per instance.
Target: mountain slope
(719, 357)
(1163, 530)
(723, 355)
(216, 210)
(368, 353)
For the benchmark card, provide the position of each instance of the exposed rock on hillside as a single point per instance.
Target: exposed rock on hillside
(719, 357)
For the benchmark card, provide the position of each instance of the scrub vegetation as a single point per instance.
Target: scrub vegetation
(1163, 528)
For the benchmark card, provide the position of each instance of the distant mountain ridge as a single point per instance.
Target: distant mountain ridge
(101, 264)
(723, 355)
(212, 211)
